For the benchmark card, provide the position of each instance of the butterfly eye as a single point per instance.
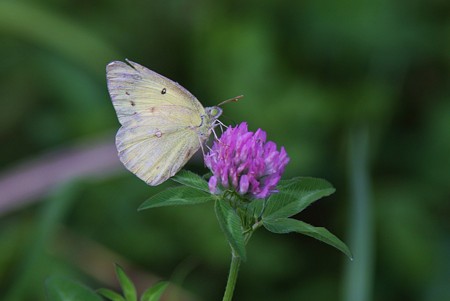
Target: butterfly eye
(214, 112)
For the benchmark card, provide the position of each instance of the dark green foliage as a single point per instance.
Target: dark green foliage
(309, 70)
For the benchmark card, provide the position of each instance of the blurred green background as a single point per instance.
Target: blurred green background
(357, 91)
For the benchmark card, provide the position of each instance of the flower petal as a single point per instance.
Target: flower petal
(244, 161)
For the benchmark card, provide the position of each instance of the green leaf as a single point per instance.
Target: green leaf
(230, 224)
(109, 294)
(63, 289)
(255, 208)
(176, 196)
(295, 195)
(155, 292)
(128, 288)
(287, 225)
(191, 179)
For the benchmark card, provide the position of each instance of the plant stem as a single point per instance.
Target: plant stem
(232, 277)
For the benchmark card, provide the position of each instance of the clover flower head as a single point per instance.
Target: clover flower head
(245, 162)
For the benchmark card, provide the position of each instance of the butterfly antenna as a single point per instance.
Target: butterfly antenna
(234, 99)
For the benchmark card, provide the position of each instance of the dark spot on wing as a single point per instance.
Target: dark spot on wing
(164, 91)
(188, 154)
(157, 167)
(127, 93)
(152, 109)
(132, 103)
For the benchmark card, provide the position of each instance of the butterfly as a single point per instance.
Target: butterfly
(163, 124)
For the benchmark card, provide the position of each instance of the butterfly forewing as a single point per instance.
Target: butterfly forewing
(135, 89)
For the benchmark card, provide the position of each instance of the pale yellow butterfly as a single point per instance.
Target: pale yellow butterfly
(163, 124)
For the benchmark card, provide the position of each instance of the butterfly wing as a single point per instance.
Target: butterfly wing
(136, 89)
(159, 120)
(155, 157)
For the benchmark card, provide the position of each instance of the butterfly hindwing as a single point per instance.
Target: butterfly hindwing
(158, 155)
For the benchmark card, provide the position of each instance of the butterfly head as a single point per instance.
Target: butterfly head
(213, 112)
(209, 121)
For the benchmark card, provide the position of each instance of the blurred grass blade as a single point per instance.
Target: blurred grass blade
(52, 213)
(62, 289)
(46, 28)
(128, 288)
(359, 273)
(109, 294)
(155, 292)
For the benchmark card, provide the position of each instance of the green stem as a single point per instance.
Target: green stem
(232, 277)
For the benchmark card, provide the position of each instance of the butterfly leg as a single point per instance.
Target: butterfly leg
(201, 146)
(215, 135)
(220, 124)
(217, 122)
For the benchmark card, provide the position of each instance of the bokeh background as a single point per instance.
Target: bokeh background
(357, 91)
